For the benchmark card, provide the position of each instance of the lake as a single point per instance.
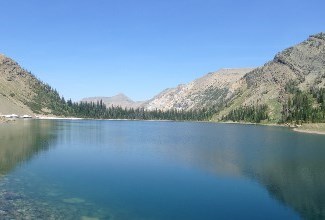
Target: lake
(91, 169)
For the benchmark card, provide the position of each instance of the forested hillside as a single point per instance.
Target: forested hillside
(289, 87)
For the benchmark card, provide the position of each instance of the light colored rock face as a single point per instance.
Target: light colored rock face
(210, 90)
(118, 100)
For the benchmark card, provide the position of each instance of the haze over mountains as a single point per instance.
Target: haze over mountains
(302, 65)
(117, 100)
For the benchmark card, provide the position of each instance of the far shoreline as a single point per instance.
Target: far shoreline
(312, 128)
(301, 130)
(308, 128)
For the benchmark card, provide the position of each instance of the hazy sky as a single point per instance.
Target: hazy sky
(140, 47)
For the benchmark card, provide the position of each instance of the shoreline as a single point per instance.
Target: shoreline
(306, 128)
(58, 118)
(95, 119)
(251, 123)
(308, 131)
(312, 128)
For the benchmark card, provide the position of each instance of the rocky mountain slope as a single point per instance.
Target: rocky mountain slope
(210, 90)
(22, 93)
(302, 65)
(117, 100)
(15, 89)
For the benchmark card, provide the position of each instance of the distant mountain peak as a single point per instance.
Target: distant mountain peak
(119, 99)
(121, 96)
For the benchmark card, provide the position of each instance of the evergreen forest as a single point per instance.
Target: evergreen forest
(300, 107)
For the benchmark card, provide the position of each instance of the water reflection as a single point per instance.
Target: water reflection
(21, 140)
(120, 155)
(289, 165)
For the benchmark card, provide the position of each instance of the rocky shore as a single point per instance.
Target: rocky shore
(3, 119)
(15, 203)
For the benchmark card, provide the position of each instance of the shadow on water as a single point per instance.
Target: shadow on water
(21, 140)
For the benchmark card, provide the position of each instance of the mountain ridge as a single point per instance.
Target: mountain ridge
(302, 64)
(14, 87)
(22, 93)
(199, 93)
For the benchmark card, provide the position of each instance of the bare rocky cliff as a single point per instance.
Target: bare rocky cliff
(208, 91)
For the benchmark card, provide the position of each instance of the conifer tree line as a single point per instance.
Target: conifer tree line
(253, 114)
(48, 98)
(300, 107)
(99, 110)
(305, 106)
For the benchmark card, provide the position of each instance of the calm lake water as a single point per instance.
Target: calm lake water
(159, 170)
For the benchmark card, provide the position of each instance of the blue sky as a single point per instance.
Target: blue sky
(101, 48)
